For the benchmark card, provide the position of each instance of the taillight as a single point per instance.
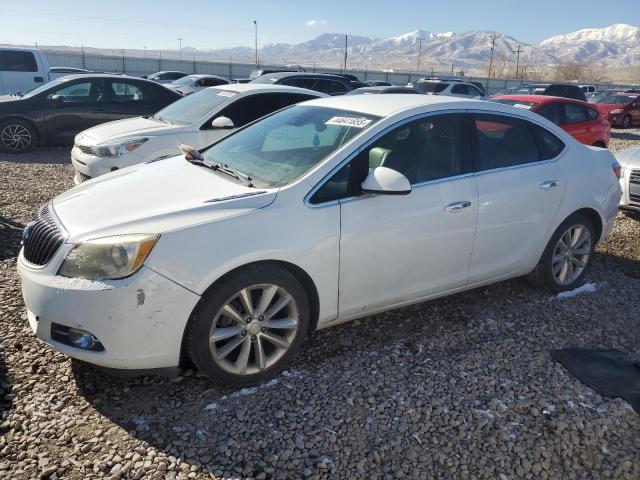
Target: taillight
(617, 169)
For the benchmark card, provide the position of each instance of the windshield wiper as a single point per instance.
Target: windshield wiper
(219, 167)
(244, 178)
(162, 119)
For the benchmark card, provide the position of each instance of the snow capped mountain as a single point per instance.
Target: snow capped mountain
(617, 45)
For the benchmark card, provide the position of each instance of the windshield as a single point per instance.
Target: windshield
(515, 103)
(617, 99)
(284, 146)
(193, 107)
(255, 74)
(36, 90)
(183, 81)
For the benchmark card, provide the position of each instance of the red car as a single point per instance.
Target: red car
(622, 109)
(581, 120)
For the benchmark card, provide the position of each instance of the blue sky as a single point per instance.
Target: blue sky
(209, 24)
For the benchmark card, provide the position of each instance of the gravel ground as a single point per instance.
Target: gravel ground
(462, 387)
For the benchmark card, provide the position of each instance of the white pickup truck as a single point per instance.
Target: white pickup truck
(22, 69)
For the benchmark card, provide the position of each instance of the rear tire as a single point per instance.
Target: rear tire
(567, 256)
(16, 136)
(247, 327)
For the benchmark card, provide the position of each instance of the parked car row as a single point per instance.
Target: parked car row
(319, 213)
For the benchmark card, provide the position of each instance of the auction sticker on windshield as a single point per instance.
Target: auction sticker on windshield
(349, 121)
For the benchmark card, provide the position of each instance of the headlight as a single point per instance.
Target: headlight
(616, 111)
(108, 258)
(117, 149)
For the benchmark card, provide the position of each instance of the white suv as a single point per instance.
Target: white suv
(453, 88)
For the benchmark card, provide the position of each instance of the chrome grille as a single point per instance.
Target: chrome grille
(634, 177)
(41, 238)
(634, 198)
(85, 149)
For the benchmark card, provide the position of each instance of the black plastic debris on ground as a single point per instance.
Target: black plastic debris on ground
(609, 372)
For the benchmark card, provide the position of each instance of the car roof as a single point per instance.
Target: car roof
(385, 105)
(118, 76)
(540, 99)
(381, 88)
(278, 75)
(252, 87)
(203, 75)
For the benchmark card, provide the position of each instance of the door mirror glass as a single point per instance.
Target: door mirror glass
(386, 181)
(56, 99)
(222, 122)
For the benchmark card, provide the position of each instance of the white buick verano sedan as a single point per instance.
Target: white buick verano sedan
(320, 213)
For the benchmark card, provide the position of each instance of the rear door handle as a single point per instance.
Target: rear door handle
(549, 184)
(457, 206)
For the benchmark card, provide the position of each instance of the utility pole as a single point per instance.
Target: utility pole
(419, 55)
(493, 44)
(518, 52)
(180, 40)
(346, 44)
(255, 24)
(145, 52)
(84, 65)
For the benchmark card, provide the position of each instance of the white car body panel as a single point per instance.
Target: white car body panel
(363, 255)
(12, 81)
(163, 139)
(629, 160)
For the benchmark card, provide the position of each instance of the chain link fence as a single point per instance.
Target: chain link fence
(155, 61)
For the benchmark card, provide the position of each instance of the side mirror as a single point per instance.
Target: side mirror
(56, 99)
(222, 122)
(386, 181)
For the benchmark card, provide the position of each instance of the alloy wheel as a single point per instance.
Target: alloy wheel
(571, 254)
(626, 122)
(15, 137)
(253, 329)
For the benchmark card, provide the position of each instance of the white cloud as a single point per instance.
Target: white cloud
(313, 22)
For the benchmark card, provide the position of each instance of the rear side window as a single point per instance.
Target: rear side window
(211, 82)
(574, 113)
(549, 145)
(309, 83)
(591, 113)
(552, 112)
(460, 89)
(125, 92)
(502, 141)
(16, 61)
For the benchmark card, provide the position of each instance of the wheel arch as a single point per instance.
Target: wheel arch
(594, 217)
(300, 274)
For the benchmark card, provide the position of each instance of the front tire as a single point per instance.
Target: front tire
(16, 136)
(567, 256)
(247, 327)
(626, 121)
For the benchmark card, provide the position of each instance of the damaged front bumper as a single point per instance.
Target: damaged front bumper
(139, 320)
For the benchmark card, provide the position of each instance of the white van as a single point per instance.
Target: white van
(22, 69)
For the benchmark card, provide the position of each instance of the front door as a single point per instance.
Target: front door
(395, 249)
(520, 187)
(72, 108)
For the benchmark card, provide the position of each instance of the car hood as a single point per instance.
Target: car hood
(629, 158)
(154, 197)
(127, 128)
(607, 107)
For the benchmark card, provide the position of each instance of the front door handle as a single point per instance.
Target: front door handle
(457, 206)
(549, 184)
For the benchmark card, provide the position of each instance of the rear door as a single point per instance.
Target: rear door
(19, 70)
(72, 107)
(128, 98)
(520, 187)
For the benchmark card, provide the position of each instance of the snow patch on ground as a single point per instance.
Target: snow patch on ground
(586, 288)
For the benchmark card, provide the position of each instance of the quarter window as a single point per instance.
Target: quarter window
(503, 141)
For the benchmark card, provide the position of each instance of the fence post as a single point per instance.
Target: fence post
(230, 72)
(160, 62)
(124, 67)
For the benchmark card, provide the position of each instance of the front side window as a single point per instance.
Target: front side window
(284, 146)
(125, 92)
(430, 148)
(502, 141)
(460, 89)
(78, 92)
(250, 108)
(192, 108)
(212, 82)
(17, 61)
